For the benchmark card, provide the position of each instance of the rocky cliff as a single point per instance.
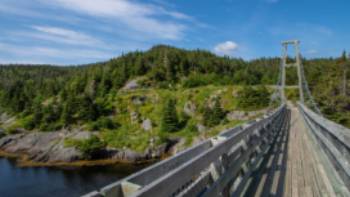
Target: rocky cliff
(49, 148)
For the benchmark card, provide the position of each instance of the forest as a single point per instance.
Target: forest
(49, 98)
(54, 97)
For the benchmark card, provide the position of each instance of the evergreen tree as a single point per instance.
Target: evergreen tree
(38, 115)
(344, 57)
(218, 112)
(170, 71)
(170, 121)
(207, 117)
(120, 75)
(213, 116)
(67, 113)
(88, 109)
(140, 66)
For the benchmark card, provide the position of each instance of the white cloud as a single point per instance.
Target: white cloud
(39, 54)
(135, 15)
(62, 35)
(226, 48)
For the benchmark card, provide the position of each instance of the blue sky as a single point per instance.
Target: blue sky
(84, 31)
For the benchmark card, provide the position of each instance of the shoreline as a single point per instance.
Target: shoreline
(22, 161)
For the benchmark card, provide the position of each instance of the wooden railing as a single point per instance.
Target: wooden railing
(334, 140)
(220, 165)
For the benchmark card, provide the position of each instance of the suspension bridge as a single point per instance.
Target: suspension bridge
(291, 151)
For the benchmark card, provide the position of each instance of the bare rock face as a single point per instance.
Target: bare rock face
(147, 125)
(234, 93)
(201, 128)
(126, 155)
(212, 99)
(50, 148)
(151, 153)
(190, 108)
(44, 147)
(242, 115)
(131, 85)
(237, 115)
(134, 117)
(5, 119)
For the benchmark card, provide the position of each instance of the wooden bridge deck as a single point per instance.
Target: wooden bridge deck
(305, 174)
(293, 167)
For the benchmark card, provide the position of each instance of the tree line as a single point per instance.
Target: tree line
(51, 97)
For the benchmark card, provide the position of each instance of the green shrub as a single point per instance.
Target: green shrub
(292, 94)
(88, 147)
(191, 127)
(104, 123)
(213, 116)
(28, 122)
(170, 121)
(253, 98)
(195, 81)
(12, 130)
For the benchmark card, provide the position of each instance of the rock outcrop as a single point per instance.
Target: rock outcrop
(201, 128)
(134, 117)
(190, 108)
(243, 115)
(131, 85)
(44, 147)
(138, 100)
(6, 120)
(50, 148)
(147, 125)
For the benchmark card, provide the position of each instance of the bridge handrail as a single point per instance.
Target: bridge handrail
(340, 132)
(185, 164)
(334, 140)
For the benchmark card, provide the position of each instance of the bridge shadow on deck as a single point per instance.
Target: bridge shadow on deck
(269, 179)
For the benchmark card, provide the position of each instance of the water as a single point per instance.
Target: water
(43, 181)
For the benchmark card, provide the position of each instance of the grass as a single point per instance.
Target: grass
(292, 94)
(131, 135)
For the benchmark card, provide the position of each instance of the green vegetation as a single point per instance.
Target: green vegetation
(253, 98)
(326, 79)
(91, 97)
(170, 121)
(159, 104)
(89, 147)
(292, 94)
(212, 116)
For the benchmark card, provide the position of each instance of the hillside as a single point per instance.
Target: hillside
(63, 96)
(142, 100)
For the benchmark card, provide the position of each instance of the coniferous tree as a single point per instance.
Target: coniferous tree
(343, 57)
(218, 112)
(170, 121)
(67, 113)
(170, 71)
(140, 66)
(20, 85)
(38, 115)
(213, 116)
(88, 109)
(207, 116)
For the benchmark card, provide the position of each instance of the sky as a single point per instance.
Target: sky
(66, 32)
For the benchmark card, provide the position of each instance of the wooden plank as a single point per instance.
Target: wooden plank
(305, 174)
